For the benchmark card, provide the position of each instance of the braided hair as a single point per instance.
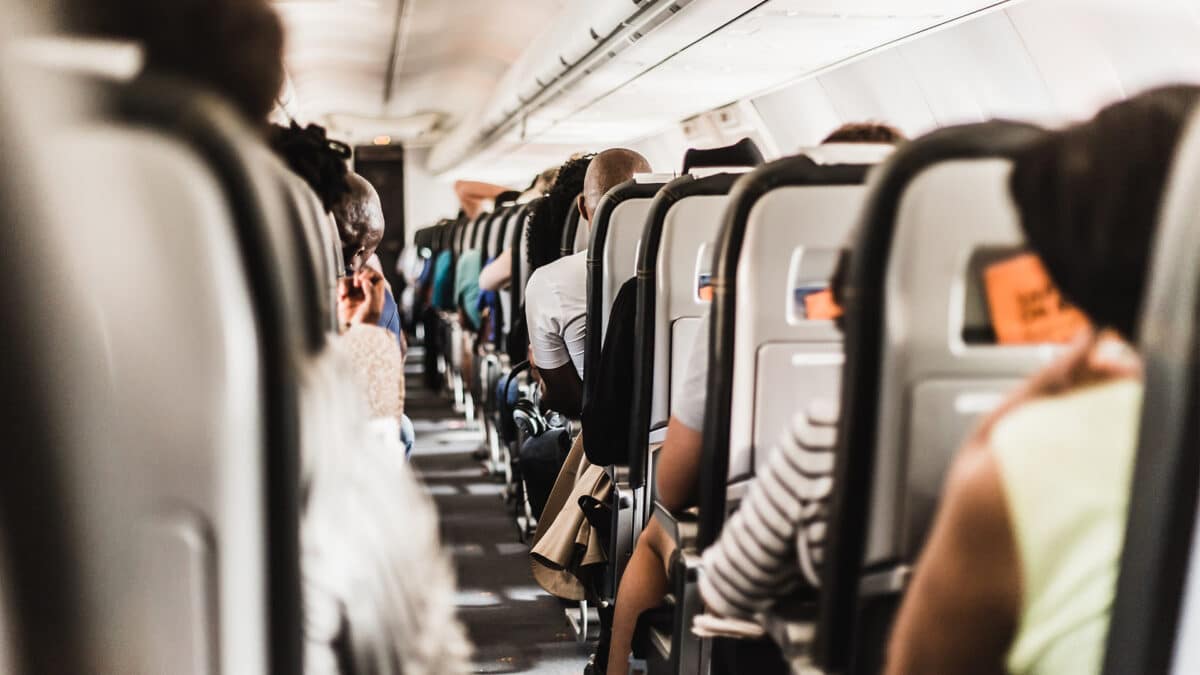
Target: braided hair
(545, 229)
(320, 161)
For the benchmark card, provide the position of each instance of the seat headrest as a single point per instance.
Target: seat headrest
(848, 153)
(742, 153)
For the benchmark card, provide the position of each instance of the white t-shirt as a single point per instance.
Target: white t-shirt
(688, 406)
(556, 312)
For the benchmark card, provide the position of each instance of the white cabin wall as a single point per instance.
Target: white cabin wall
(798, 116)
(664, 150)
(1092, 52)
(881, 87)
(1046, 61)
(426, 199)
(977, 71)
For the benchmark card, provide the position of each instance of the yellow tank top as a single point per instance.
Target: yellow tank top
(1066, 464)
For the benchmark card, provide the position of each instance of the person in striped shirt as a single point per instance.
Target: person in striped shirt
(774, 542)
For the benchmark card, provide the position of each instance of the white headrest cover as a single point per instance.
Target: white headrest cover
(644, 178)
(706, 171)
(849, 153)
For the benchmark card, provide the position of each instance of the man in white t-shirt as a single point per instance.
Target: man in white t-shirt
(556, 295)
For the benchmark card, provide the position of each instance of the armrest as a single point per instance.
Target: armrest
(682, 528)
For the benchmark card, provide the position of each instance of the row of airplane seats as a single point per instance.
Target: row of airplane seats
(183, 352)
(903, 376)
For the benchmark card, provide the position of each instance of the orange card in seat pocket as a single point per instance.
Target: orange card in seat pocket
(1025, 305)
(820, 306)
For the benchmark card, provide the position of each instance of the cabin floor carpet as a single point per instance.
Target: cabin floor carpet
(516, 627)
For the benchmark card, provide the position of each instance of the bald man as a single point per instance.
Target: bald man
(556, 296)
(364, 296)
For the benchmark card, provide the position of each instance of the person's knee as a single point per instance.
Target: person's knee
(658, 542)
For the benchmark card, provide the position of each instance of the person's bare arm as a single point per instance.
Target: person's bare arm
(472, 194)
(496, 274)
(961, 610)
(679, 466)
(562, 390)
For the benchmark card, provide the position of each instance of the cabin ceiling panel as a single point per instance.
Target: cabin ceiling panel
(448, 57)
(746, 50)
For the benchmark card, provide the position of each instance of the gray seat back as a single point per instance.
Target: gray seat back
(582, 232)
(612, 257)
(773, 212)
(782, 361)
(162, 417)
(514, 237)
(934, 384)
(470, 234)
(1156, 612)
(482, 232)
(497, 233)
(618, 251)
(684, 260)
(913, 383)
(522, 250)
(673, 260)
(49, 373)
(318, 265)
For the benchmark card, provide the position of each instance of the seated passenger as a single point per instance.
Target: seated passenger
(1019, 570)
(644, 583)
(474, 196)
(556, 297)
(350, 199)
(497, 273)
(442, 292)
(467, 287)
(360, 223)
(363, 299)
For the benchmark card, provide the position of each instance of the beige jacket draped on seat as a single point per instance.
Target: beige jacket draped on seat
(566, 550)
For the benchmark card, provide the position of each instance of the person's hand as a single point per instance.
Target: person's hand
(361, 298)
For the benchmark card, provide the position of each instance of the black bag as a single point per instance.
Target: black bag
(516, 343)
(542, 458)
(434, 380)
(507, 396)
(608, 412)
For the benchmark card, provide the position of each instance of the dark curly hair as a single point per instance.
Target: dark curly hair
(548, 217)
(1091, 213)
(866, 132)
(234, 47)
(320, 161)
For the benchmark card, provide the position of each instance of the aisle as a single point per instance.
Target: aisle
(515, 626)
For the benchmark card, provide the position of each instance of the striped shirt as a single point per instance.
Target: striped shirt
(775, 540)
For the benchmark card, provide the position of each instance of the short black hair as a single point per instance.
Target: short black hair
(866, 132)
(1089, 198)
(316, 158)
(234, 47)
(548, 216)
